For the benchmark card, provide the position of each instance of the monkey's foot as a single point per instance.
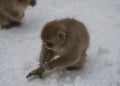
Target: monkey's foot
(11, 24)
(15, 24)
(38, 72)
(71, 68)
(6, 26)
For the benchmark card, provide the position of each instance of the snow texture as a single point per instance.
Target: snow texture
(20, 47)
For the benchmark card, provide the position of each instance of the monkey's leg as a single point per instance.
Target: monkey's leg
(38, 71)
(4, 21)
(63, 61)
(79, 64)
(8, 24)
(14, 23)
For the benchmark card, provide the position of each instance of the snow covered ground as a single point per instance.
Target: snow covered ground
(20, 47)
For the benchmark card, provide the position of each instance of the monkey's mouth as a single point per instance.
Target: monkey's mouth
(49, 48)
(48, 45)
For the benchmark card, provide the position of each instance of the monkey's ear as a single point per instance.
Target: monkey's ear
(33, 2)
(62, 35)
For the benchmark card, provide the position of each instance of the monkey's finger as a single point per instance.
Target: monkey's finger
(32, 73)
(29, 75)
(35, 72)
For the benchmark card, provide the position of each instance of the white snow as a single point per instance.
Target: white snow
(20, 47)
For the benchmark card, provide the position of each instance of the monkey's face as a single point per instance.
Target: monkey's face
(53, 37)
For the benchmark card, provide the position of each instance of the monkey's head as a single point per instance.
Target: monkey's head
(53, 36)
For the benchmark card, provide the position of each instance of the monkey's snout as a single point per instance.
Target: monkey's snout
(49, 45)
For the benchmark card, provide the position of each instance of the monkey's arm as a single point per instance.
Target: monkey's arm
(62, 61)
(46, 56)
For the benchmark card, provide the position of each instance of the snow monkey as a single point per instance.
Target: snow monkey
(67, 38)
(12, 12)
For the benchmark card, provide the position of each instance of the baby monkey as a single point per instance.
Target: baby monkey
(12, 12)
(67, 38)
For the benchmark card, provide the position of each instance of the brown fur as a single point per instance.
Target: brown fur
(12, 11)
(67, 38)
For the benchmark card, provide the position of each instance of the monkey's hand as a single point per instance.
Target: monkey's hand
(38, 72)
(33, 3)
(48, 66)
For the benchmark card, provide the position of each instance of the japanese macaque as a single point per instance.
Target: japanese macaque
(66, 38)
(12, 12)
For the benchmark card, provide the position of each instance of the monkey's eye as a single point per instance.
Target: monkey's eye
(61, 35)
